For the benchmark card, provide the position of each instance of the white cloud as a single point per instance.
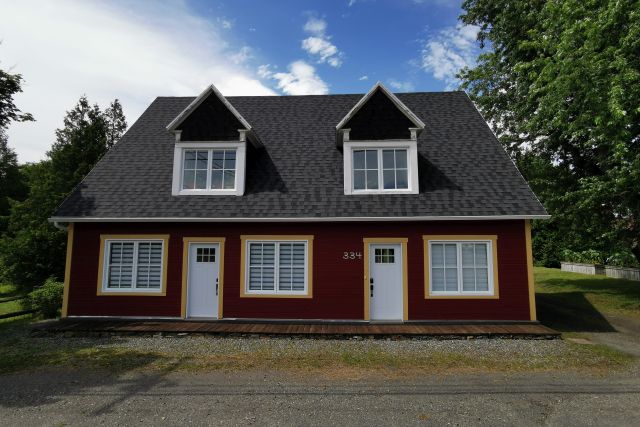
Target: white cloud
(226, 24)
(300, 80)
(365, 77)
(452, 49)
(134, 53)
(401, 86)
(319, 45)
(351, 3)
(241, 56)
(315, 26)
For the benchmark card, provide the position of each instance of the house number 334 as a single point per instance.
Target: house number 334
(352, 255)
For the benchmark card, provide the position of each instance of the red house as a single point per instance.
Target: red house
(336, 207)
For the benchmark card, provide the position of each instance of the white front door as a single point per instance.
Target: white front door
(202, 280)
(385, 282)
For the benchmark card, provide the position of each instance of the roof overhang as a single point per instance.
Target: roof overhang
(418, 124)
(212, 90)
(304, 219)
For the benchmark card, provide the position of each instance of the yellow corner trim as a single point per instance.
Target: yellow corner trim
(186, 241)
(402, 241)
(67, 272)
(461, 237)
(165, 258)
(530, 279)
(278, 238)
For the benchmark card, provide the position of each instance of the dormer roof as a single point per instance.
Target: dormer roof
(381, 106)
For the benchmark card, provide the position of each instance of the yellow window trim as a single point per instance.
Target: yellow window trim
(67, 272)
(459, 237)
(530, 279)
(280, 238)
(186, 241)
(402, 241)
(165, 257)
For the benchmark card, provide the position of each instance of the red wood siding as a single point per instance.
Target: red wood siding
(337, 283)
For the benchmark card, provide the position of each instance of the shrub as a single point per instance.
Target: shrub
(590, 256)
(47, 299)
(623, 258)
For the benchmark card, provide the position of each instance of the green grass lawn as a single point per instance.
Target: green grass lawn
(8, 292)
(577, 302)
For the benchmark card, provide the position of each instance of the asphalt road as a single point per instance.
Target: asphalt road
(76, 397)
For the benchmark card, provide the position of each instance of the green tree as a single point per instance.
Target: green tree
(10, 85)
(12, 185)
(561, 87)
(32, 249)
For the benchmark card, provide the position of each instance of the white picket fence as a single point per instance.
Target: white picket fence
(608, 270)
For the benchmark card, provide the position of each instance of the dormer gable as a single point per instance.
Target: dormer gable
(211, 117)
(210, 147)
(378, 115)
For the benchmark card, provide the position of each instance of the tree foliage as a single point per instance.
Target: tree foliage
(32, 249)
(561, 88)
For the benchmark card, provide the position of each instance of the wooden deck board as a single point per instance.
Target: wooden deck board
(298, 328)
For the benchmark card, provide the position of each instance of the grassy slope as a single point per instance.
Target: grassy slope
(9, 291)
(577, 302)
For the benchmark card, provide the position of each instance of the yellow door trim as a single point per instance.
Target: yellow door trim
(186, 241)
(402, 241)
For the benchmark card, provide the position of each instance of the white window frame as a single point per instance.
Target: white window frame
(412, 165)
(178, 167)
(460, 292)
(276, 266)
(134, 289)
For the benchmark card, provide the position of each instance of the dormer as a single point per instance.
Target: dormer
(379, 138)
(210, 147)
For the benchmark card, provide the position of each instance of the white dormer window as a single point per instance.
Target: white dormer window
(209, 168)
(381, 167)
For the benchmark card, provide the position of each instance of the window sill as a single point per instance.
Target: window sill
(135, 292)
(233, 192)
(370, 192)
(247, 294)
(461, 296)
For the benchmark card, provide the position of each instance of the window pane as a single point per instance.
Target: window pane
(468, 279)
(450, 255)
(481, 254)
(372, 159)
(203, 157)
(387, 159)
(120, 269)
(389, 178)
(482, 279)
(261, 266)
(401, 159)
(358, 180)
(358, 159)
(188, 180)
(217, 160)
(372, 179)
(149, 265)
(229, 180)
(437, 279)
(437, 255)
(401, 179)
(216, 179)
(291, 266)
(190, 159)
(467, 254)
(230, 160)
(451, 279)
(201, 179)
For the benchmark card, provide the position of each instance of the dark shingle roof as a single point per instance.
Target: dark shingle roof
(299, 173)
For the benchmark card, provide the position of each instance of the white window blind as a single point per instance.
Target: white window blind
(277, 267)
(460, 267)
(134, 265)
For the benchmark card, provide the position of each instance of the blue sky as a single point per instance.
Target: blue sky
(137, 50)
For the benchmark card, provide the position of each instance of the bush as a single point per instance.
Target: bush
(623, 258)
(590, 256)
(47, 299)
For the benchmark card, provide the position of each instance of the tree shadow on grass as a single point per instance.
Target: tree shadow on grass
(570, 312)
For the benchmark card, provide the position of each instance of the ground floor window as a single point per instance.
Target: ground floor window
(460, 267)
(277, 267)
(133, 265)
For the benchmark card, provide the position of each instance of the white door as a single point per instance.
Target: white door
(202, 280)
(385, 282)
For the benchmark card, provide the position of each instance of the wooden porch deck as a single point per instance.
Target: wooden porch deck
(297, 328)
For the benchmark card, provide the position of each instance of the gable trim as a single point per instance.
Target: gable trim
(399, 104)
(211, 89)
